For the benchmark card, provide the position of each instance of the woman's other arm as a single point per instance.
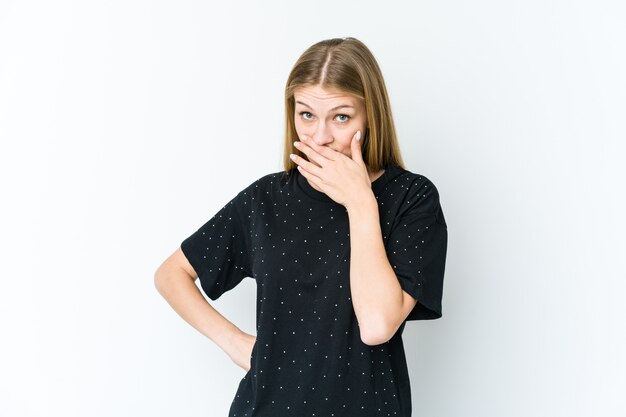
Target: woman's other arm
(175, 281)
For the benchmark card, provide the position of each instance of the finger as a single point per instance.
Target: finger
(311, 153)
(324, 151)
(357, 156)
(306, 165)
(313, 178)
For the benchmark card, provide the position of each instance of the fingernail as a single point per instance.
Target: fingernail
(296, 144)
(358, 135)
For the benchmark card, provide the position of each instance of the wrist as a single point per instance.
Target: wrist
(365, 205)
(229, 337)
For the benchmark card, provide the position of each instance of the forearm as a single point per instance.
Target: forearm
(182, 294)
(376, 292)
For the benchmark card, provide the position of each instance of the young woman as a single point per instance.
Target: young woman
(345, 246)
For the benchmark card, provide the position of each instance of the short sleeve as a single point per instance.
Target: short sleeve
(417, 248)
(218, 250)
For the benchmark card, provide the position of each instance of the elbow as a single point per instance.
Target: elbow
(158, 279)
(374, 334)
(374, 339)
(161, 278)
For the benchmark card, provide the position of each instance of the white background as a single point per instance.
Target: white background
(125, 125)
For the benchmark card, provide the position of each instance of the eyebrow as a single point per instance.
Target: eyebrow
(333, 109)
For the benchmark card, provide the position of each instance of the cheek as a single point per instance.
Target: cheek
(345, 137)
(299, 125)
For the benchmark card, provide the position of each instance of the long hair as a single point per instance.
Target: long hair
(346, 64)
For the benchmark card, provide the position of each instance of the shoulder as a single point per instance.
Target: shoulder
(413, 191)
(263, 186)
(411, 183)
(273, 179)
(278, 178)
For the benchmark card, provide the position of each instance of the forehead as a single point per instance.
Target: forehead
(319, 95)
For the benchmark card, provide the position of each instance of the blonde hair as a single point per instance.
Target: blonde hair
(346, 64)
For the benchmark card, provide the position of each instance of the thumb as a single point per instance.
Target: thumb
(356, 148)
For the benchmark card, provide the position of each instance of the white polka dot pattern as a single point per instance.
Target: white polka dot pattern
(308, 359)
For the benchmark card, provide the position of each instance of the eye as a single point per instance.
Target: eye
(303, 113)
(344, 115)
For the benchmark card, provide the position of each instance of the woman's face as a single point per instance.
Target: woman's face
(329, 117)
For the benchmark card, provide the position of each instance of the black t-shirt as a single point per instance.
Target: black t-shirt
(309, 359)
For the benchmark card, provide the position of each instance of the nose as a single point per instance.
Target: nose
(322, 134)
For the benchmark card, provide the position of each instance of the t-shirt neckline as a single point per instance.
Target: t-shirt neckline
(301, 180)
